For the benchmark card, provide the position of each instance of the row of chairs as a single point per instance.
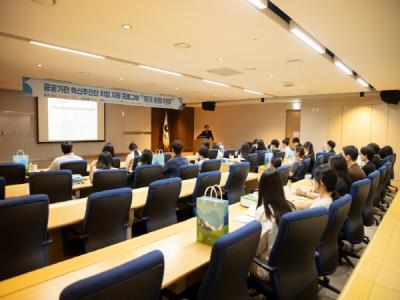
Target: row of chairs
(28, 217)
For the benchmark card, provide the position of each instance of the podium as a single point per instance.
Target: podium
(199, 141)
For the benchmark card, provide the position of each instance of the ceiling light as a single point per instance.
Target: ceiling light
(159, 70)
(302, 87)
(362, 82)
(253, 92)
(121, 79)
(182, 45)
(257, 3)
(220, 58)
(126, 26)
(343, 67)
(307, 39)
(271, 76)
(215, 82)
(177, 88)
(39, 65)
(66, 49)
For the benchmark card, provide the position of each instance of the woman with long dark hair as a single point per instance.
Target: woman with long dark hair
(108, 147)
(339, 164)
(324, 193)
(309, 153)
(103, 162)
(271, 206)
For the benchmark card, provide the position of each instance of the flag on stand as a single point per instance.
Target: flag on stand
(166, 133)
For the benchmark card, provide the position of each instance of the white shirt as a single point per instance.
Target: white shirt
(322, 202)
(269, 231)
(55, 165)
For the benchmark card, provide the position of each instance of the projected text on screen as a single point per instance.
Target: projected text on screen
(72, 120)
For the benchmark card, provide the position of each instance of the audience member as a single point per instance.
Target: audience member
(171, 168)
(66, 148)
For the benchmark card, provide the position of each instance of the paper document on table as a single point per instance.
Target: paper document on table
(244, 219)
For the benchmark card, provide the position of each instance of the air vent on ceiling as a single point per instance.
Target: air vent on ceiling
(294, 61)
(288, 84)
(224, 71)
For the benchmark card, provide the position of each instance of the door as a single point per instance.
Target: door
(292, 124)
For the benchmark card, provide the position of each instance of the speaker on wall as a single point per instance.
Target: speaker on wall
(390, 96)
(209, 105)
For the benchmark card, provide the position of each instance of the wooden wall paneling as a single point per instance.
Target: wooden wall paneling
(379, 124)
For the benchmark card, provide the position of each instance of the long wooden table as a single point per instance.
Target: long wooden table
(183, 255)
(377, 274)
(178, 243)
(65, 213)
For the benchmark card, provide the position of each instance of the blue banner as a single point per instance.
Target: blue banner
(66, 90)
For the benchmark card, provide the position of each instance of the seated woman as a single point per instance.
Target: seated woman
(103, 162)
(108, 147)
(339, 164)
(325, 180)
(131, 156)
(145, 159)
(309, 153)
(299, 154)
(271, 206)
(244, 150)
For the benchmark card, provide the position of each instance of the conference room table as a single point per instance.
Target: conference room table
(377, 274)
(184, 259)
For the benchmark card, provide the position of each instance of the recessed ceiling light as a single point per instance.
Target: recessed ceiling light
(343, 67)
(257, 3)
(252, 92)
(306, 38)
(362, 82)
(160, 70)
(39, 65)
(215, 82)
(220, 58)
(271, 76)
(182, 45)
(302, 87)
(45, 2)
(66, 49)
(121, 79)
(126, 26)
(177, 88)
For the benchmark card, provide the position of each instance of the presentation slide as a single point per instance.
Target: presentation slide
(74, 120)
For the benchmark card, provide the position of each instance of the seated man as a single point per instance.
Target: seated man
(355, 171)
(171, 168)
(66, 148)
(367, 154)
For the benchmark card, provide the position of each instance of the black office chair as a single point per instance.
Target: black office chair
(210, 165)
(135, 163)
(146, 174)
(284, 173)
(109, 179)
(203, 181)
(2, 188)
(353, 227)
(140, 278)
(236, 182)
(116, 162)
(76, 166)
(212, 153)
(161, 203)
(188, 171)
(321, 158)
(23, 227)
(368, 210)
(230, 261)
(167, 157)
(328, 253)
(291, 262)
(57, 185)
(253, 160)
(229, 152)
(386, 183)
(301, 171)
(106, 218)
(13, 173)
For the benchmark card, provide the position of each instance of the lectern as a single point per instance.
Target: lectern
(199, 141)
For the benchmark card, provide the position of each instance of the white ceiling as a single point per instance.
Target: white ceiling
(232, 29)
